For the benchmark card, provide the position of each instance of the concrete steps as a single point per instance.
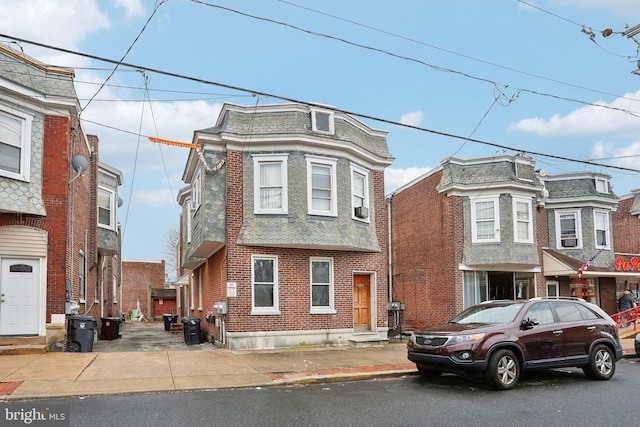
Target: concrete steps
(367, 340)
(23, 345)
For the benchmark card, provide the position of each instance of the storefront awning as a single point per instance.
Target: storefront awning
(557, 264)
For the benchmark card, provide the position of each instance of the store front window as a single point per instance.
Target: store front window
(495, 285)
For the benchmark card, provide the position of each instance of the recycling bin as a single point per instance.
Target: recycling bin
(168, 320)
(82, 330)
(191, 327)
(110, 328)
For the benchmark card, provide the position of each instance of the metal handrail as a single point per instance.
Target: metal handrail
(628, 316)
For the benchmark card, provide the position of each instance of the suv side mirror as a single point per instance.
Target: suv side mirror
(529, 323)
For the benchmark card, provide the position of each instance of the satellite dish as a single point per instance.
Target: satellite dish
(120, 202)
(80, 164)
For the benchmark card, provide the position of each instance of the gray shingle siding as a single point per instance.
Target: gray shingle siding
(21, 196)
(507, 251)
(209, 220)
(297, 228)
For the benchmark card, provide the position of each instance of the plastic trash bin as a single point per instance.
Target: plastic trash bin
(82, 330)
(191, 327)
(168, 320)
(110, 328)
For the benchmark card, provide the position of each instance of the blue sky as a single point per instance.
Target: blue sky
(537, 76)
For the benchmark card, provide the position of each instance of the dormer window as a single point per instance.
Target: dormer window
(602, 186)
(322, 121)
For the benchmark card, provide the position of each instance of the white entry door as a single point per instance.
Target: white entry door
(19, 296)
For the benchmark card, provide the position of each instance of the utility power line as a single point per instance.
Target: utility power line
(312, 104)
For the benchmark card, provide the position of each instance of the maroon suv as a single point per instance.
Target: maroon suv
(497, 339)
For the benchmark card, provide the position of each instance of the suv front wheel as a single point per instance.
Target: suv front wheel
(503, 370)
(602, 364)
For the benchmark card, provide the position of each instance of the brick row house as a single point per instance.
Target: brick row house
(626, 229)
(284, 228)
(472, 230)
(56, 199)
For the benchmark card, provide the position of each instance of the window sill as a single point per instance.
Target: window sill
(323, 311)
(272, 312)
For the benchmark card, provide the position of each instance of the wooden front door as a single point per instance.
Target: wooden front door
(361, 303)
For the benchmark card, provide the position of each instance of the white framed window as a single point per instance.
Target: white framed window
(322, 285)
(321, 186)
(475, 287)
(270, 183)
(15, 144)
(568, 230)
(602, 186)
(82, 268)
(264, 284)
(553, 289)
(196, 190)
(322, 121)
(106, 208)
(188, 219)
(601, 223)
(522, 220)
(359, 193)
(485, 220)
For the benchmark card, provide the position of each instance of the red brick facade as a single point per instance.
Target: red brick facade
(427, 234)
(138, 277)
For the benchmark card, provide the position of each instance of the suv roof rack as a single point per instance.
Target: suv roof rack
(558, 297)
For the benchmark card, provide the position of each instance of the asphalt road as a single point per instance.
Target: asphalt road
(562, 397)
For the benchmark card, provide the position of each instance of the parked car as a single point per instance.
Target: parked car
(637, 342)
(496, 340)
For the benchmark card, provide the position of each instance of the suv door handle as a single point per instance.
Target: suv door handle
(591, 328)
(558, 332)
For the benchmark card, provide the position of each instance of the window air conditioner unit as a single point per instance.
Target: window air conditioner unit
(569, 243)
(362, 212)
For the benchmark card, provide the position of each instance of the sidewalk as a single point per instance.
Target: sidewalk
(197, 367)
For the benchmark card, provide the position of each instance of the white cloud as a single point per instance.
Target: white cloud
(395, 178)
(622, 7)
(589, 120)
(53, 23)
(132, 8)
(414, 118)
(628, 156)
(143, 199)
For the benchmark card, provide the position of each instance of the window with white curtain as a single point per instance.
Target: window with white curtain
(270, 183)
(15, 144)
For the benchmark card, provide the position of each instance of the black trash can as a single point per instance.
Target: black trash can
(82, 330)
(191, 327)
(110, 328)
(168, 320)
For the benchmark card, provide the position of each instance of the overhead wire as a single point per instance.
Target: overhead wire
(155, 9)
(155, 126)
(311, 104)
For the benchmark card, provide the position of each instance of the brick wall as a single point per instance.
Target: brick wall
(137, 278)
(626, 229)
(293, 270)
(427, 232)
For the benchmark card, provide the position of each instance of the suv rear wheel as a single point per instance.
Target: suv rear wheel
(602, 364)
(503, 370)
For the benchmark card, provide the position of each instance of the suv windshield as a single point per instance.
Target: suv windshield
(488, 314)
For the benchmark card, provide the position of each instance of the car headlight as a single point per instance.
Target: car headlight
(458, 339)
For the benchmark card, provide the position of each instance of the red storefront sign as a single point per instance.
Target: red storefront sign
(633, 264)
